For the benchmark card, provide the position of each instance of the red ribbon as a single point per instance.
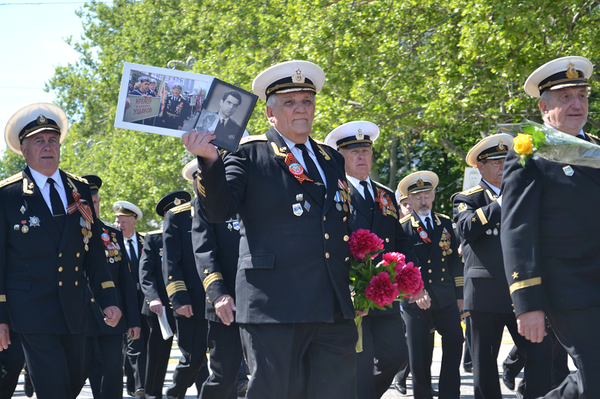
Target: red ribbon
(81, 205)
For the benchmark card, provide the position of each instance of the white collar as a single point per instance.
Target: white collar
(41, 179)
(494, 188)
(290, 144)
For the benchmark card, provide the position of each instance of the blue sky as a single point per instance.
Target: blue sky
(32, 44)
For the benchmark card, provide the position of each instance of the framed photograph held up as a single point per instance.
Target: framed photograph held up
(226, 111)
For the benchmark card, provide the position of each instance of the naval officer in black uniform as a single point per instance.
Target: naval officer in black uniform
(126, 217)
(104, 345)
(433, 239)
(51, 250)
(293, 302)
(186, 293)
(156, 304)
(477, 213)
(216, 254)
(373, 208)
(549, 225)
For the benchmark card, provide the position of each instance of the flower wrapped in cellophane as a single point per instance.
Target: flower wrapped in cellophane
(378, 286)
(533, 139)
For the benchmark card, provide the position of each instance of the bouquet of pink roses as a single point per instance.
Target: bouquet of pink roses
(377, 286)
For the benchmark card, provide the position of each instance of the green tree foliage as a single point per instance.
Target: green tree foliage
(435, 76)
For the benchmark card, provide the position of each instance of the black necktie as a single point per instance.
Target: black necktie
(583, 137)
(58, 208)
(132, 255)
(428, 224)
(311, 168)
(368, 196)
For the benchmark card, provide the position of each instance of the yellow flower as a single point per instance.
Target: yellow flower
(523, 144)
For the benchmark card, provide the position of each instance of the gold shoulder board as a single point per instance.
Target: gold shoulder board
(381, 186)
(473, 190)
(78, 178)
(12, 179)
(250, 139)
(181, 208)
(595, 137)
(405, 219)
(442, 215)
(159, 231)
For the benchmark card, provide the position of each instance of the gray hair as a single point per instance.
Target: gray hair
(271, 100)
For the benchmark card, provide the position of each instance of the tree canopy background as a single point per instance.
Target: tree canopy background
(435, 76)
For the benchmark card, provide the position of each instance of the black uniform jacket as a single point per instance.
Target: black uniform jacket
(441, 267)
(477, 217)
(385, 224)
(294, 256)
(184, 286)
(118, 265)
(43, 284)
(216, 248)
(549, 230)
(151, 277)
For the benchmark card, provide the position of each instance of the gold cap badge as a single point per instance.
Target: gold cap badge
(298, 77)
(571, 71)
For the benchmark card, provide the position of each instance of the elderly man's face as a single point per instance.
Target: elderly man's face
(126, 224)
(422, 202)
(42, 152)
(567, 109)
(492, 170)
(293, 114)
(176, 92)
(358, 161)
(228, 106)
(405, 207)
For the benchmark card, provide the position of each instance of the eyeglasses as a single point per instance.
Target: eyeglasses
(495, 162)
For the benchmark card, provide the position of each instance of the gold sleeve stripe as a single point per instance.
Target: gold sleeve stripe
(525, 284)
(459, 281)
(211, 278)
(176, 286)
(108, 284)
(2, 298)
(482, 217)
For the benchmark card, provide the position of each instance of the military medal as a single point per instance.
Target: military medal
(306, 206)
(338, 206)
(296, 169)
(22, 209)
(445, 242)
(495, 232)
(423, 234)
(297, 209)
(568, 170)
(385, 203)
(236, 225)
(299, 197)
(16, 227)
(25, 229)
(34, 221)
(488, 232)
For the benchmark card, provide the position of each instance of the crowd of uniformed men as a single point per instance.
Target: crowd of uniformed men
(255, 266)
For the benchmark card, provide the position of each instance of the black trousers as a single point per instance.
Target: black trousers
(12, 361)
(515, 361)
(191, 338)
(135, 360)
(384, 353)
(102, 365)
(577, 332)
(486, 337)
(301, 360)
(55, 363)
(447, 323)
(158, 352)
(225, 348)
